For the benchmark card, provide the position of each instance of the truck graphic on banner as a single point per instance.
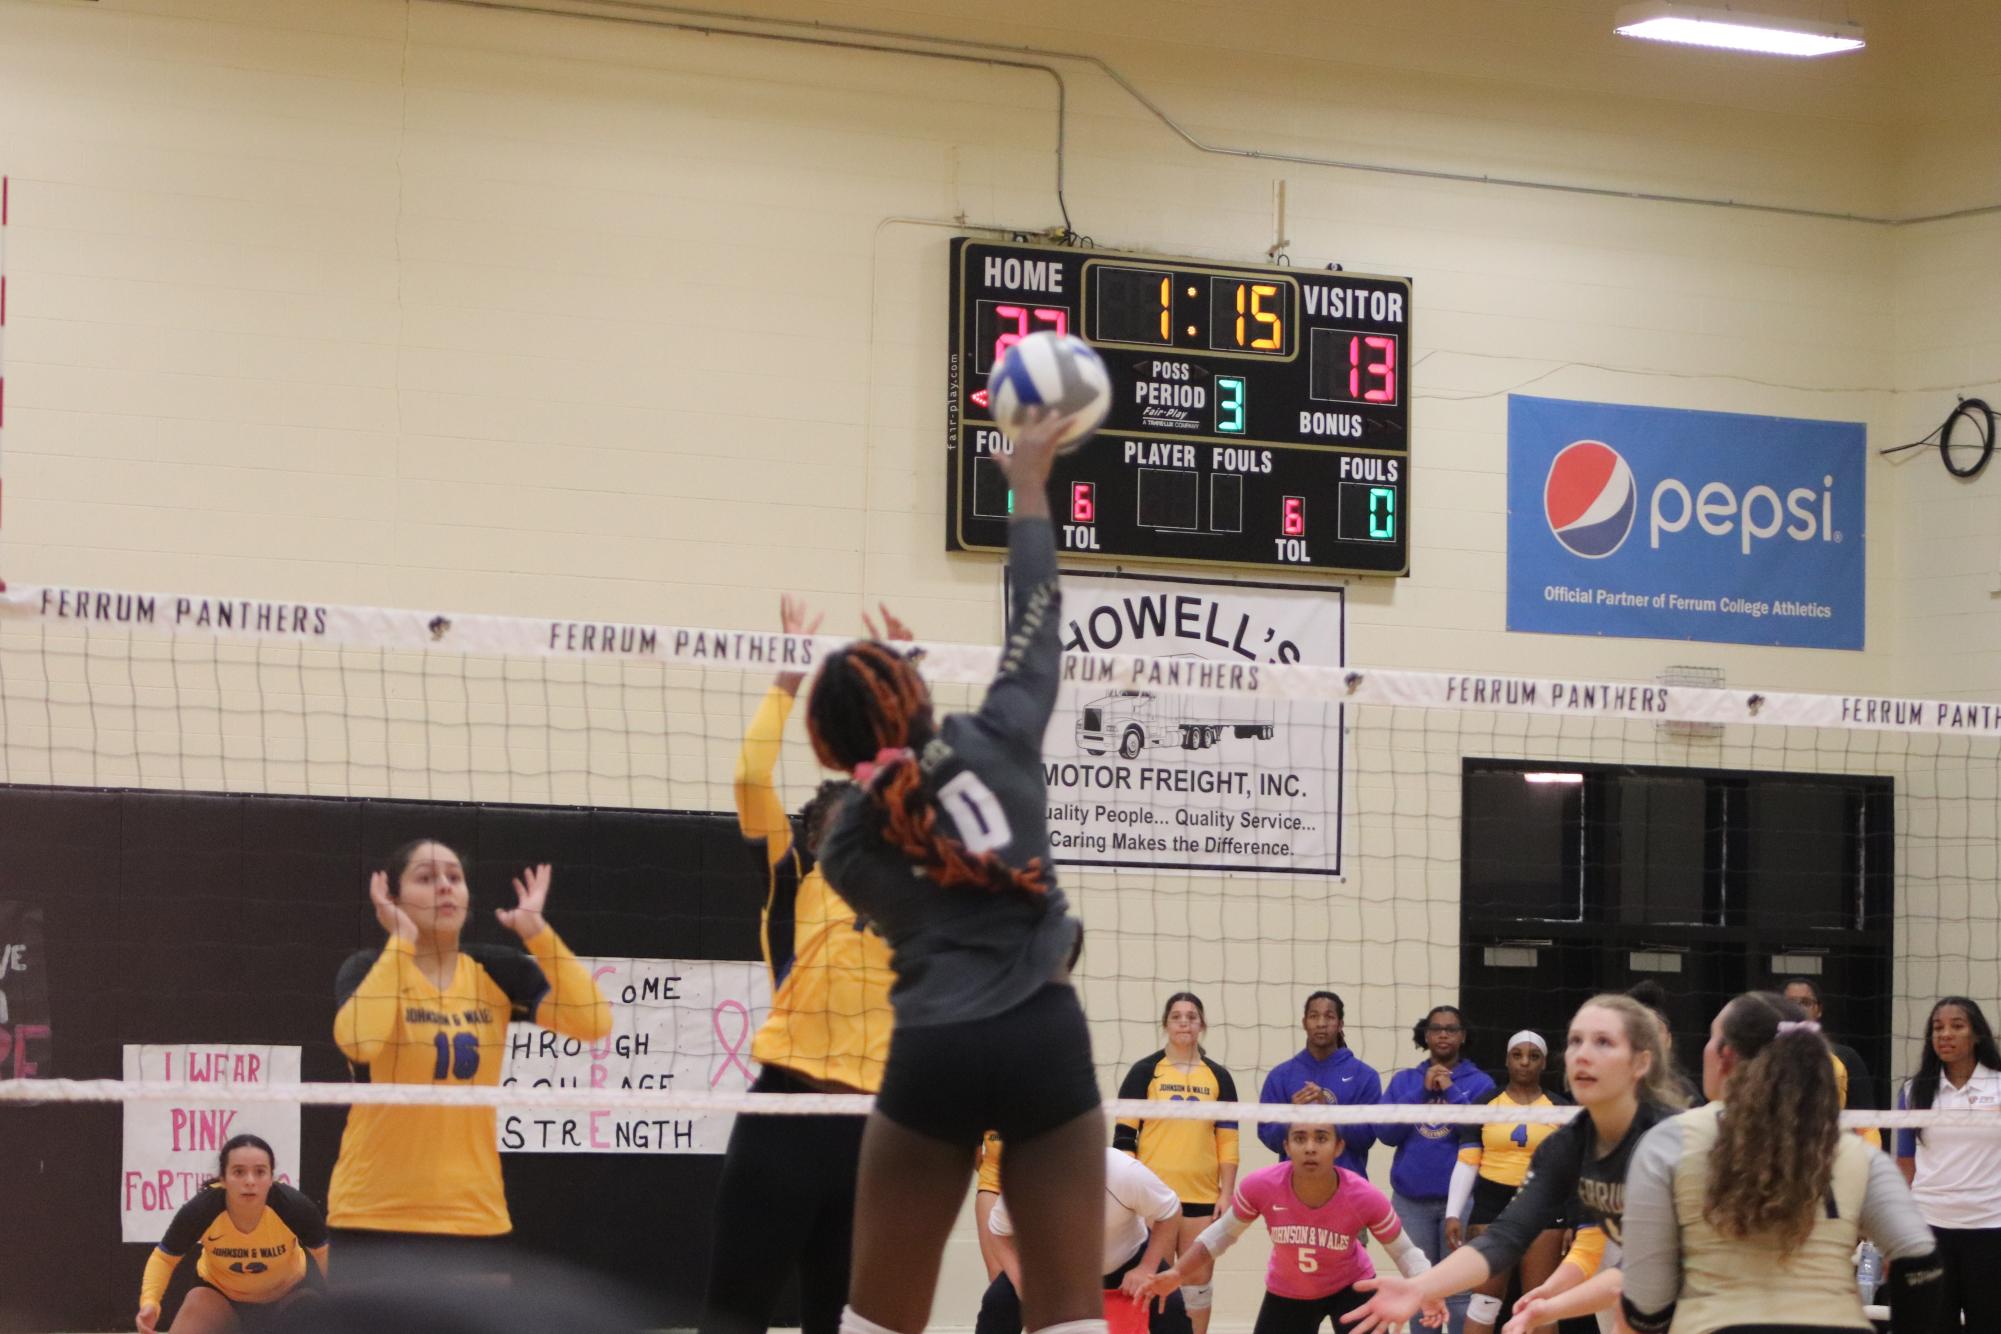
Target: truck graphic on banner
(1131, 720)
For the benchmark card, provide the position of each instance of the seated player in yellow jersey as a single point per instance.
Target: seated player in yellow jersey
(787, 1196)
(1493, 1160)
(420, 1186)
(1197, 1159)
(254, 1234)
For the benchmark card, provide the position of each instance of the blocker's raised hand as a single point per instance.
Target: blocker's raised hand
(388, 911)
(531, 892)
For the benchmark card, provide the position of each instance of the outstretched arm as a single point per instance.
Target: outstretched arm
(370, 1002)
(1598, 1293)
(759, 812)
(1160, 1238)
(574, 1005)
(760, 815)
(1023, 692)
(1395, 1300)
(1651, 1235)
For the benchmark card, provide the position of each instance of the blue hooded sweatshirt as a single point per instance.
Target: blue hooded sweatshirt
(1341, 1074)
(1422, 1169)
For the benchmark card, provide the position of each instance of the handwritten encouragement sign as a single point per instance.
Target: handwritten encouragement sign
(683, 1025)
(171, 1144)
(25, 1032)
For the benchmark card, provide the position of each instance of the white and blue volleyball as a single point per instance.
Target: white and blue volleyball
(1056, 371)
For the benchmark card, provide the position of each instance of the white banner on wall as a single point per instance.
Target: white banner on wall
(1141, 777)
(682, 1024)
(171, 1146)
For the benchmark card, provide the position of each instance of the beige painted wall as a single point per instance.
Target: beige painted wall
(415, 304)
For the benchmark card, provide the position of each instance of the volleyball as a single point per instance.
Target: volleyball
(1057, 371)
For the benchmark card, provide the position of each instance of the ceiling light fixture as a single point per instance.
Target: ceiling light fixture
(1734, 30)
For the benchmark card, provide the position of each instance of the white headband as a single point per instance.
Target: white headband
(1532, 1039)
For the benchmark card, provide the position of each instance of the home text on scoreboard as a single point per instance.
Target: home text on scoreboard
(1260, 415)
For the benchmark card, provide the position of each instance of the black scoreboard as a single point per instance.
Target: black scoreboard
(1260, 416)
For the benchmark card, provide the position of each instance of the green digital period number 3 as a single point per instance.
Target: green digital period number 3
(1229, 405)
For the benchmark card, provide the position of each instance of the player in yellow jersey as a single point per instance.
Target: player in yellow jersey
(254, 1233)
(787, 1197)
(421, 1185)
(1851, 1076)
(1493, 1160)
(1197, 1159)
(986, 1194)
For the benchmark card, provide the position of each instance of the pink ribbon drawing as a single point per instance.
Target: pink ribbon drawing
(731, 1049)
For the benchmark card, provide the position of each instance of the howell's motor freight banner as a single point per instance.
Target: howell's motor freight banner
(681, 1024)
(1145, 778)
(1662, 523)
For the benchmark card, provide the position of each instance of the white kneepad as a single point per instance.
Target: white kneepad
(853, 1322)
(1484, 1309)
(1198, 1296)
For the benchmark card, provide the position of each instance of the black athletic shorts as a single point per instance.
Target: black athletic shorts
(1294, 1315)
(1021, 1072)
(367, 1257)
(1489, 1198)
(1197, 1210)
(252, 1317)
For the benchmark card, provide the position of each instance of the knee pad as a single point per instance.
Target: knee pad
(1485, 1309)
(852, 1322)
(1198, 1296)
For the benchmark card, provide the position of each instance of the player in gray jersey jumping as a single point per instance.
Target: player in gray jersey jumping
(944, 846)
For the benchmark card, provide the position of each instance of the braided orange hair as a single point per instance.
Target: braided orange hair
(869, 699)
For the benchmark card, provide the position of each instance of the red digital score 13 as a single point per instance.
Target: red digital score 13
(1372, 361)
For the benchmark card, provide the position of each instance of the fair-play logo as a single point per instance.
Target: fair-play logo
(1590, 499)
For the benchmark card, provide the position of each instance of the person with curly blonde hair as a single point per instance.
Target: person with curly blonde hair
(1742, 1216)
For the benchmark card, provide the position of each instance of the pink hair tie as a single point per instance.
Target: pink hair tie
(866, 771)
(1797, 1026)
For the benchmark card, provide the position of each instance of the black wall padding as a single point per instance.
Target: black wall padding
(178, 917)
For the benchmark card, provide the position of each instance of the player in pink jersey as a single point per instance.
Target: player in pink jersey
(1316, 1213)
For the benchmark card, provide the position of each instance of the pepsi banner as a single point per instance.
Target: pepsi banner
(1666, 523)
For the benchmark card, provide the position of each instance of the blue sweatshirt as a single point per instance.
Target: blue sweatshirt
(1422, 1169)
(1341, 1074)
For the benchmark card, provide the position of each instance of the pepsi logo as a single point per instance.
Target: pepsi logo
(1590, 499)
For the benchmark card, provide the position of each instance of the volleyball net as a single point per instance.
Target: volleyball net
(194, 791)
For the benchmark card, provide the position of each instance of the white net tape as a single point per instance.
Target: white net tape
(38, 1091)
(66, 613)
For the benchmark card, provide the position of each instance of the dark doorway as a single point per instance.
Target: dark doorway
(1577, 879)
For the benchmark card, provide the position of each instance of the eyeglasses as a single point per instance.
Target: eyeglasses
(1447, 1029)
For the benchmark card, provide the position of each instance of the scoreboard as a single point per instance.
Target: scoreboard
(1260, 415)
